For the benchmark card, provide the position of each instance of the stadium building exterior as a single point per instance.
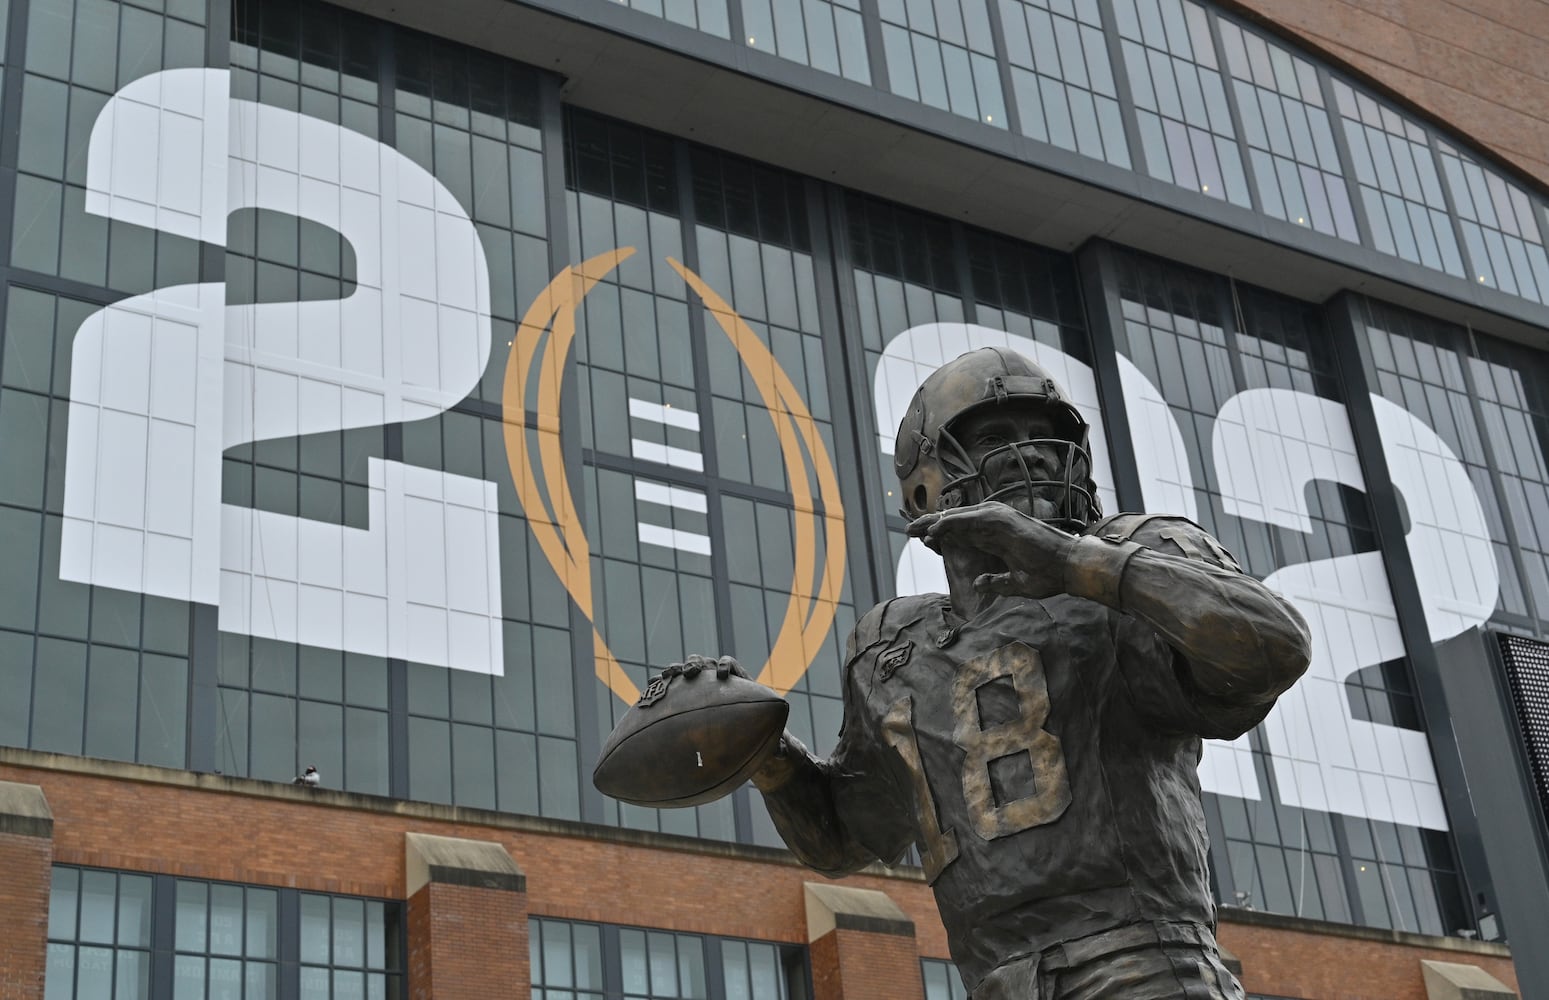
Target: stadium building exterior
(391, 389)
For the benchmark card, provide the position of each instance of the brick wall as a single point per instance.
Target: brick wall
(211, 834)
(1481, 66)
(244, 831)
(24, 881)
(1282, 962)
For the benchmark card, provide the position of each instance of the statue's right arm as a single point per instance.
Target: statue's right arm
(840, 814)
(805, 800)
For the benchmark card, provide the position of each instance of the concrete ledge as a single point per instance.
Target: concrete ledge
(1306, 925)
(24, 811)
(226, 784)
(481, 864)
(1456, 981)
(845, 908)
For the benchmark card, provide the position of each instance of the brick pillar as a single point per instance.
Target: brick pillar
(467, 920)
(862, 946)
(26, 861)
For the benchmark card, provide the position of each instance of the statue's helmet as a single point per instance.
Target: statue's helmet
(936, 471)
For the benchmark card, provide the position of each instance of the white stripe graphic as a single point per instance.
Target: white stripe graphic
(667, 455)
(672, 538)
(670, 496)
(656, 413)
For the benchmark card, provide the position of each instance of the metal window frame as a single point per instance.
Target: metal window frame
(162, 951)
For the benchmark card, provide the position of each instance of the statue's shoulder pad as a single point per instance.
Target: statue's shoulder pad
(882, 623)
(1170, 533)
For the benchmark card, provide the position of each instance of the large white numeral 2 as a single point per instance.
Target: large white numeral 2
(1268, 446)
(163, 382)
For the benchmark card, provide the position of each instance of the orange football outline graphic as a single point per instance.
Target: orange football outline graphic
(550, 508)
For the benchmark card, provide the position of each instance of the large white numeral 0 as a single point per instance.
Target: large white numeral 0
(912, 355)
(163, 382)
(1268, 446)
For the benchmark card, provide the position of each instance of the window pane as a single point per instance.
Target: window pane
(188, 978)
(99, 900)
(63, 903)
(262, 920)
(315, 929)
(59, 977)
(192, 914)
(225, 979)
(314, 984)
(349, 932)
(134, 911)
(94, 972)
(132, 976)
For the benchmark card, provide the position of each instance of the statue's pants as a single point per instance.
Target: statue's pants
(1139, 962)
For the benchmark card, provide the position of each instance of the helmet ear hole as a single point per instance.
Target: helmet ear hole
(920, 497)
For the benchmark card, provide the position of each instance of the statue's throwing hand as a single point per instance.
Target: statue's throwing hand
(1033, 553)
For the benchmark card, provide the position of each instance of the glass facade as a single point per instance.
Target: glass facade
(1296, 165)
(680, 437)
(827, 35)
(708, 16)
(1247, 376)
(1175, 79)
(1500, 226)
(1483, 399)
(109, 933)
(1400, 189)
(1061, 75)
(519, 404)
(592, 961)
(1180, 91)
(943, 54)
(99, 935)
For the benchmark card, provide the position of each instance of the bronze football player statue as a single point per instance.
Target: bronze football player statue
(1036, 732)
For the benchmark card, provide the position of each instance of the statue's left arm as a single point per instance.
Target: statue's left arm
(1243, 643)
(1236, 645)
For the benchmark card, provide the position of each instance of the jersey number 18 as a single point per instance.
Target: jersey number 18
(982, 745)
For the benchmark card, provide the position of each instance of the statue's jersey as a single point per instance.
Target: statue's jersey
(1043, 758)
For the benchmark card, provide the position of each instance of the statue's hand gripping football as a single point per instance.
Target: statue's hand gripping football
(700, 729)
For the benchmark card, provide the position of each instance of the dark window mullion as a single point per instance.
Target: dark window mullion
(842, 352)
(1336, 121)
(715, 970)
(1123, 92)
(1472, 268)
(560, 155)
(1013, 121)
(1239, 140)
(720, 573)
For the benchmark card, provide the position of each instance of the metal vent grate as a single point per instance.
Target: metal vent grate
(1527, 673)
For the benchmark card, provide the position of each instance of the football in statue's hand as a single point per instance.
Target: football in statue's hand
(690, 739)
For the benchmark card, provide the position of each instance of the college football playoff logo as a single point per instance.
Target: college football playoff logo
(534, 377)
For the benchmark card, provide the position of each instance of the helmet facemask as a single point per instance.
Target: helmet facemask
(992, 425)
(1047, 476)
